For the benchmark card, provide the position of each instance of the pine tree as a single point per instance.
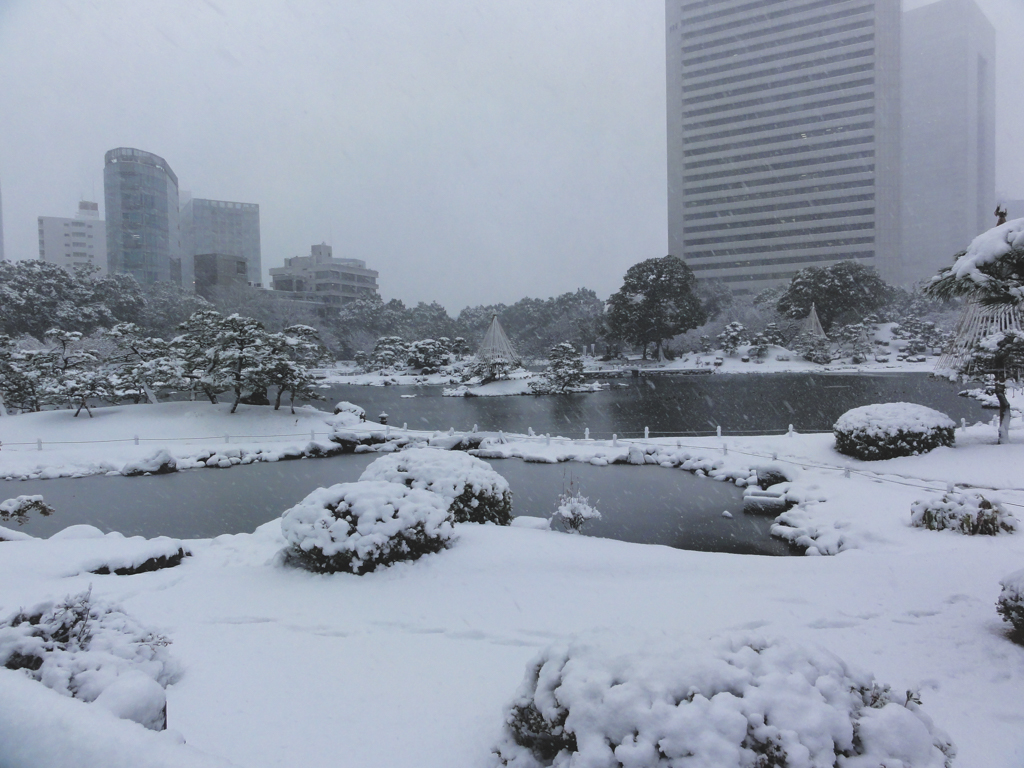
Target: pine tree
(732, 337)
(565, 367)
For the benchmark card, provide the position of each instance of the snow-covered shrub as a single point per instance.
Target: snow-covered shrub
(574, 509)
(93, 651)
(474, 491)
(741, 702)
(359, 527)
(965, 512)
(732, 337)
(159, 463)
(887, 430)
(564, 372)
(1011, 601)
(19, 508)
(813, 348)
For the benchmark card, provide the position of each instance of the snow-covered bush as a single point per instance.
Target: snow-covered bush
(19, 508)
(813, 348)
(345, 406)
(732, 337)
(1011, 601)
(887, 430)
(965, 512)
(359, 527)
(742, 702)
(574, 509)
(565, 370)
(158, 463)
(474, 491)
(93, 651)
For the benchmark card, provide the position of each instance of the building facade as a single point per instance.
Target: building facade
(220, 227)
(218, 274)
(322, 278)
(71, 243)
(783, 136)
(143, 235)
(949, 164)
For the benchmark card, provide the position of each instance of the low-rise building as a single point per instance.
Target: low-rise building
(216, 274)
(71, 243)
(322, 278)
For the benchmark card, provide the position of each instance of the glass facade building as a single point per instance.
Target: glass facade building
(783, 136)
(141, 196)
(221, 227)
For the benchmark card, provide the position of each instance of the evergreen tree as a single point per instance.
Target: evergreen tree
(295, 351)
(142, 365)
(846, 289)
(732, 337)
(565, 367)
(656, 302)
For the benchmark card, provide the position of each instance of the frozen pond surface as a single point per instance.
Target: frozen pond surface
(747, 403)
(646, 504)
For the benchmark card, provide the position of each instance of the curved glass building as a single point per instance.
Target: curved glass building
(141, 197)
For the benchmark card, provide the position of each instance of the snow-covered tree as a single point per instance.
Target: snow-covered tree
(732, 337)
(427, 355)
(853, 340)
(142, 364)
(77, 377)
(193, 348)
(388, 352)
(565, 369)
(999, 358)
(25, 375)
(574, 509)
(460, 347)
(774, 335)
(759, 346)
(295, 351)
(814, 349)
(656, 302)
(846, 289)
(242, 358)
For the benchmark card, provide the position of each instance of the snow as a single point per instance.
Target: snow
(884, 419)
(451, 474)
(636, 700)
(361, 525)
(988, 247)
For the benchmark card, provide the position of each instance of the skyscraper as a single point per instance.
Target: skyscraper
(783, 136)
(949, 164)
(220, 227)
(1, 226)
(143, 238)
(70, 243)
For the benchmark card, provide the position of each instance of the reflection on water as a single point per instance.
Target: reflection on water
(645, 504)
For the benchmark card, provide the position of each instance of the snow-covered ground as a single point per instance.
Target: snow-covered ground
(417, 663)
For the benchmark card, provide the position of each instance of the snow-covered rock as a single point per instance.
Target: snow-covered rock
(965, 512)
(737, 702)
(476, 493)
(1011, 600)
(159, 463)
(358, 527)
(82, 646)
(888, 430)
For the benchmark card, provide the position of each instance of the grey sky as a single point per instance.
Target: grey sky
(470, 151)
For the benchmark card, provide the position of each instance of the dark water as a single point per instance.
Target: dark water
(740, 404)
(646, 504)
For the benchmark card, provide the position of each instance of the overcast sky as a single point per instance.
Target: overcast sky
(472, 152)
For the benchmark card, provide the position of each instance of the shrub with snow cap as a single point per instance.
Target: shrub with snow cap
(19, 508)
(888, 430)
(346, 407)
(93, 651)
(968, 512)
(359, 527)
(476, 493)
(1011, 601)
(738, 703)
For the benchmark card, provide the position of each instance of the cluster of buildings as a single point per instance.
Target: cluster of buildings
(157, 234)
(805, 132)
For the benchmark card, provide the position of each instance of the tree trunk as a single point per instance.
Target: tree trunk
(277, 400)
(291, 402)
(149, 393)
(1004, 411)
(238, 397)
(3, 408)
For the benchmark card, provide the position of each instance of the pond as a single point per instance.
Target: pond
(643, 504)
(673, 405)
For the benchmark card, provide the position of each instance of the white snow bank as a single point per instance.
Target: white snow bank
(741, 701)
(989, 247)
(358, 526)
(41, 729)
(474, 491)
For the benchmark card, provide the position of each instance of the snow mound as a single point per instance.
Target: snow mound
(987, 248)
(1011, 600)
(887, 430)
(358, 527)
(743, 701)
(159, 463)
(82, 647)
(81, 531)
(968, 512)
(475, 492)
(347, 414)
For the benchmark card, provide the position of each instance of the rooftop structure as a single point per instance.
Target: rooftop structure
(322, 278)
(71, 243)
(141, 196)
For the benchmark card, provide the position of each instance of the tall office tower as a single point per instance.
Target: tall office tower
(783, 136)
(70, 243)
(1, 226)
(143, 238)
(220, 227)
(949, 162)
